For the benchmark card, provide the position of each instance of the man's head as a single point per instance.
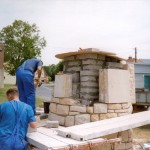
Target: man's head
(12, 94)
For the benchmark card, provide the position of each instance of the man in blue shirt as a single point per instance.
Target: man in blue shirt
(8, 116)
(25, 80)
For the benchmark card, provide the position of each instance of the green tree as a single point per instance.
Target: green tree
(53, 69)
(22, 41)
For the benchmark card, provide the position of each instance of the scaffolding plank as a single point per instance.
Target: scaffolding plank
(66, 132)
(110, 126)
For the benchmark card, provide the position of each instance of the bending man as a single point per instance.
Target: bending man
(25, 80)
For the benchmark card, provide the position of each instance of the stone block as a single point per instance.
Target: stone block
(89, 62)
(53, 107)
(89, 84)
(85, 56)
(62, 110)
(52, 124)
(114, 65)
(73, 69)
(120, 146)
(81, 109)
(63, 86)
(101, 57)
(125, 105)
(90, 110)
(89, 90)
(114, 106)
(68, 101)
(124, 136)
(101, 63)
(81, 119)
(91, 67)
(87, 78)
(70, 121)
(87, 96)
(114, 86)
(110, 111)
(54, 117)
(76, 77)
(73, 113)
(55, 100)
(75, 88)
(94, 117)
(100, 108)
(74, 63)
(108, 115)
(121, 111)
(130, 68)
(89, 73)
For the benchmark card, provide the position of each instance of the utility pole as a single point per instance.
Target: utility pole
(135, 54)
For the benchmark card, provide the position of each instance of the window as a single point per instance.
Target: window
(146, 82)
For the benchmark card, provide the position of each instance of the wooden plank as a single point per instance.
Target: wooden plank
(66, 132)
(116, 125)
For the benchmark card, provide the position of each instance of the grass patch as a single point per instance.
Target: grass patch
(3, 97)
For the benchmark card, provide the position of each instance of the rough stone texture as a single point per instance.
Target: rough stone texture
(54, 117)
(90, 110)
(122, 114)
(73, 69)
(101, 57)
(70, 121)
(81, 109)
(114, 65)
(108, 115)
(91, 67)
(83, 118)
(62, 110)
(89, 84)
(114, 86)
(100, 108)
(130, 68)
(122, 111)
(94, 117)
(87, 78)
(55, 100)
(89, 73)
(68, 101)
(53, 107)
(88, 96)
(110, 111)
(74, 63)
(75, 90)
(73, 113)
(89, 90)
(76, 77)
(114, 106)
(63, 86)
(89, 61)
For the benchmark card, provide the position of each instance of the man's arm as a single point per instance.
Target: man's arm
(34, 124)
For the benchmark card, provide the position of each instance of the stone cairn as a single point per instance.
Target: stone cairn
(80, 93)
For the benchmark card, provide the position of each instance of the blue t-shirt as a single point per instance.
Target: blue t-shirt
(8, 118)
(31, 65)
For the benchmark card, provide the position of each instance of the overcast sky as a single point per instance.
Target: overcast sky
(110, 25)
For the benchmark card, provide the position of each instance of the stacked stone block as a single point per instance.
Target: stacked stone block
(70, 112)
(85, 71)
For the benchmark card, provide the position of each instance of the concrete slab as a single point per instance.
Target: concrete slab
(114, 86)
